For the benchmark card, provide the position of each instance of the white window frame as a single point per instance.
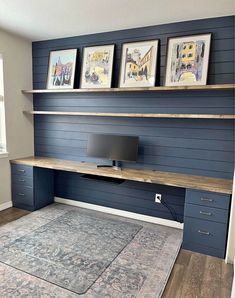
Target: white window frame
(3, 148)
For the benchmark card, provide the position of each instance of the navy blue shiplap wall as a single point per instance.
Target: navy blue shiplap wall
(199, 147)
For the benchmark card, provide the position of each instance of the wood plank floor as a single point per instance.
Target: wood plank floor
(194, 275)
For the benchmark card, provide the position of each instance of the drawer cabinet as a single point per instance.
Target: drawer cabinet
(32, 188)
(206, 198)
(206, 218)
(23, 195)
(206, 213)
(21, 170)
(210, 234)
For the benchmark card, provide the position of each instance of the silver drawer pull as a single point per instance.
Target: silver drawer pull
(21, 194)
(207, 200)
(21, 180)
(205, 213)
(203, 232)
(22, 171)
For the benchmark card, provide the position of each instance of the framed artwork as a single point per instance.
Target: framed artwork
(97, 66)
(187, 60)
(138, 64)
(61, 69)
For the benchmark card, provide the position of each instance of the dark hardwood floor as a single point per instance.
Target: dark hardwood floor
(11, 214)
(194, 275)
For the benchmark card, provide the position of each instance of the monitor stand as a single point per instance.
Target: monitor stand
(115, 165)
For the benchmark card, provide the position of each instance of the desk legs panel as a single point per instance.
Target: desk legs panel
(43, 187)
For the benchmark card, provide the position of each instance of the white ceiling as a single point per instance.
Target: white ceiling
(47, 19)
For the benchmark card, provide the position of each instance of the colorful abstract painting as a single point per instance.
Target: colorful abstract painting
(61, 69)
(187, 60)
(97, 67)
(138, 64)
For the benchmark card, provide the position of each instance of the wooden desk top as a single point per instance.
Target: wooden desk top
(149, 176)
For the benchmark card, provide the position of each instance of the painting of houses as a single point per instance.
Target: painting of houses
(138, 66)
(61, 69)
(187, 60)
(97, 67)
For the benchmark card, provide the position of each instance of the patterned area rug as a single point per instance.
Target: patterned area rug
(64, 251)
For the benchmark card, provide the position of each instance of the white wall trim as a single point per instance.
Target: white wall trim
(151, 219)
(3, 154)
(5, 205)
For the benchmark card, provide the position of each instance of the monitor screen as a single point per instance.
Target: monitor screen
(113, 147)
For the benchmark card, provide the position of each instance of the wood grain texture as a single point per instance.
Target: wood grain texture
(148, 176)
(133, 115)
(11, 214)
(139, 89)
(196, 275)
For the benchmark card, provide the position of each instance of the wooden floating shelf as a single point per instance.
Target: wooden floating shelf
(134, 115)
(139, 89)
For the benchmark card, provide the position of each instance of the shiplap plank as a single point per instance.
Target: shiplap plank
(219, 134)
(154, 150)
(190, 142)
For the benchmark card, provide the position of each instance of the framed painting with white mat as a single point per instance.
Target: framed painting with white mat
(61, 70)
(187, 60)
(138, 64)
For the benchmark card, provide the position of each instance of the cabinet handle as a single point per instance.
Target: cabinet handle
(205, 213)
(203, 232)
(207, 200)
(21, 194)
(22, 171)
(21, 180)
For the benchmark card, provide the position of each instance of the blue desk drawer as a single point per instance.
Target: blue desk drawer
(210, 199)
(22, 195)
(22, 180)
(206, 213)
(22, 170)
(207, 233)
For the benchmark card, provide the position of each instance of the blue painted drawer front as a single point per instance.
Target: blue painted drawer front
(206, 213)
(211, 251)
(22, 180)
(206, 233)
(22, 195)
(22, 170)
(210, 199)
(32, 188)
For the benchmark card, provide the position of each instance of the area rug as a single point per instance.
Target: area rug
(64, 251)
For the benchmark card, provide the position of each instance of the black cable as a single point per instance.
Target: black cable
(172, 211)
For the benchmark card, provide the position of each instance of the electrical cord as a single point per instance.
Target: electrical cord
(172, 211)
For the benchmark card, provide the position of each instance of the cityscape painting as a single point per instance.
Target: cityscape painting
(61, 69)
(187, 60)
(138, 64)
(97, 67)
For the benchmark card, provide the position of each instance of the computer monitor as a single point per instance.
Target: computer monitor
(113, 147)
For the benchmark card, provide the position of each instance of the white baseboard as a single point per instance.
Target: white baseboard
(151, 219)
(6, 205)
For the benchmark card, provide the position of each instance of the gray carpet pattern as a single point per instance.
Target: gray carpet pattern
(64, 251)
(71, 251)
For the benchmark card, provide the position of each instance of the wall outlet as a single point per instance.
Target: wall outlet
(158, 198)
